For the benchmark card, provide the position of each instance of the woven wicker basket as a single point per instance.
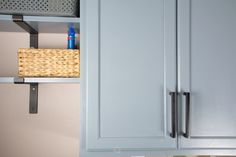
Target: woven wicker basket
(48, 62)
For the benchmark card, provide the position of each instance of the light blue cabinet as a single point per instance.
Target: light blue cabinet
(207, 49)
(130, 69)
(134, 53)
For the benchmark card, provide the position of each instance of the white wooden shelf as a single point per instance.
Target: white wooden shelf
(40, 80)
(42, 24)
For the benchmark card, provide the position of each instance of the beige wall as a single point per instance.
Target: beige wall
(54, 131)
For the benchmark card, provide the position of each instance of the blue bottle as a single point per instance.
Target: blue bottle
(71, 38)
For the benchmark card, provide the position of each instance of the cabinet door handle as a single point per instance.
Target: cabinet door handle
(173, 114)
(187, 113)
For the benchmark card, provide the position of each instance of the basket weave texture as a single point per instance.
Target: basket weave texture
(48, 62)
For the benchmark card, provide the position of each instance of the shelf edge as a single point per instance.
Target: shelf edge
(41, 80)
(6, 80)
(51, 19)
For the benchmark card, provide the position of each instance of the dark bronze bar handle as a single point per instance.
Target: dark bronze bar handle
(187, 113)
(173, 114)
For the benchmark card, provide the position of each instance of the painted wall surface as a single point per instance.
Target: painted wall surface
(54, 131)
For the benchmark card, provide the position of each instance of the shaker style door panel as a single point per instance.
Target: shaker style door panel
(130, 70)
(207, 49)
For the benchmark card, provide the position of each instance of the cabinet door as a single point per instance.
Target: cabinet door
(207, 48)
(130, 60)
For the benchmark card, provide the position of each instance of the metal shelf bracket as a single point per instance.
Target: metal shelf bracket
(33, 105)
(18, 19)
(33, 99)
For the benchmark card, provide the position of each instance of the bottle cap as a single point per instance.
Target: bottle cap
(71, 31)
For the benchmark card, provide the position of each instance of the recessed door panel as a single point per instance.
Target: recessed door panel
(131, 60)
(208, 71)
